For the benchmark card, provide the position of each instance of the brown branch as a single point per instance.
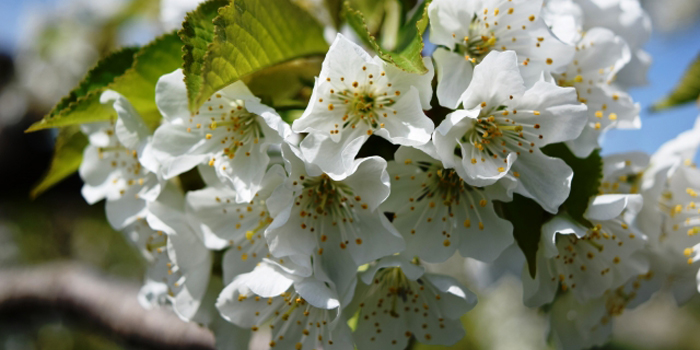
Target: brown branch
(80, 295)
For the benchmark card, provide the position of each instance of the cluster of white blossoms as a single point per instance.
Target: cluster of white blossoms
(296, 239)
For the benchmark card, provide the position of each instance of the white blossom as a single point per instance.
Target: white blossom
(588, 261)
(111, 169)
(438, 213)
(356, 96)
(335, 220)
(302, 312)
(231, 132)
(397, 301)
(600, 55)
(502, 127)
(182, 265)
(469, 30)
(627, 19)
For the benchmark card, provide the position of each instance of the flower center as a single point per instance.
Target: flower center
(479, 43)
(494, 134)
(325, 205)
(364, 103)
(686, 215)
(292, 311)
(228, 122)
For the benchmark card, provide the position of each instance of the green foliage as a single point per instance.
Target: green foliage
(407, 55)
(133, 74)
(97, 79)
(298, 77)
(254, 34)
(527, 218)
(588, 174)
(686, 91)
(68, 155)
(197, 33)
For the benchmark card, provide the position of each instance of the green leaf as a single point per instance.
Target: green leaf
(137, 83)
(686, 91)
(254, 34)
(68, 155)
(410, 45)
(527, 218)
(197, 33)
(588, 174)
(96, 79)
(334, 9)
(298, 77)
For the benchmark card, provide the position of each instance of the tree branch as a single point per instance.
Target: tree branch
(109, 305)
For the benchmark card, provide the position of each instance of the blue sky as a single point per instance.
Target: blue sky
(671, 52)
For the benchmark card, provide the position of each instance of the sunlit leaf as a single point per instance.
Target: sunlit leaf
(197, 33)
(68, 154)
(687, 90)
(254, 34)
(136, 82)
(410, 40)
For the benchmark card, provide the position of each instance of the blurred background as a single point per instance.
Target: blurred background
(46, 46)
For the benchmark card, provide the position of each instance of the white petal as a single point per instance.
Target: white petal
(370, 181)
(335, 158)
(454, 74)
(546, 180)
(171, 96)
(495, 79)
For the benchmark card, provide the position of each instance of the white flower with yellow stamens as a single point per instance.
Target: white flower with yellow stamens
(438, 213)
(469, 30)
(335, 220)
(223, 223)
(111, 169)
(502, 127)
(680, 203)
(303, 313)
(182, 265)
(231, 132)
(622, 173)
(588, 261)
(600, 54)
(627, 19)
(356, 96)
(398, 301)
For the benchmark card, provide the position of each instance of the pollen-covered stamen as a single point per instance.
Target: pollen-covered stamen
(683, 210)
(478, 43)
(495, 134)
(616, 300)
(363, 104)
(170, 274)
(125, 161)
(290, 316)
(324, 203)
(227, 122)
(598, 252)
(621, 184)
(447, 197)
(392, 294)
(252, 217)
